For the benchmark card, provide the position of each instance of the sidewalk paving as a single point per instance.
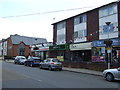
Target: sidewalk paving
(77, 70)
(84, 71)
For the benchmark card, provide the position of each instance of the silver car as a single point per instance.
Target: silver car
(112, 74)
(51, 64)
(20, 60)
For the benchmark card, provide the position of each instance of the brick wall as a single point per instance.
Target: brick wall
(9, 47)
(13, 49)
(70, 30)
(54, 34)
(93, 25)
(98, 66)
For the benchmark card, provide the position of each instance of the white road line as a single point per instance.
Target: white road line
(39, 80)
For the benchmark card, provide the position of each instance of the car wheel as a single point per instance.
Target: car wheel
(40, 66)
(31, 65)
(109, 77)
(25, 64)
(60, 69)
(50, 68)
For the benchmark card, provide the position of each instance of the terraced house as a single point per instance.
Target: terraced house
(79, 40)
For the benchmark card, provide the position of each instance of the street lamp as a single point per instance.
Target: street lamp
(108, 43)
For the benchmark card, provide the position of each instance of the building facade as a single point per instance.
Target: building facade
(3, 47)
(16, 45)
(80, 39)
(41, 50)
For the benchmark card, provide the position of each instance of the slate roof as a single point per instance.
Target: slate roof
(17, 39)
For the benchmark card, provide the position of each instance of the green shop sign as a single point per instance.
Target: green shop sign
(60, 47)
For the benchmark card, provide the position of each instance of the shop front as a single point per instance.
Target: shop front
(100, 52)
(41, 52)
(59, 51)
(81, 52)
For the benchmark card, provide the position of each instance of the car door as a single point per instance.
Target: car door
(43, 63)
(28, 61)
(47, 63)
(119, 73)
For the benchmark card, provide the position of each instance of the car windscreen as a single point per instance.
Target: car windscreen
(36, 58)
(22, 58)
(56, 60)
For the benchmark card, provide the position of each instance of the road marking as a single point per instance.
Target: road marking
(40, 80)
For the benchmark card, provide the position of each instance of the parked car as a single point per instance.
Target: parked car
(32, 61)
(20, 60)
(112, 74)
(51, 64)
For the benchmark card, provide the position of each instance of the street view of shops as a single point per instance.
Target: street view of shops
(84, 53)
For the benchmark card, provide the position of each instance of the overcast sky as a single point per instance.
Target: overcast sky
(38, 15)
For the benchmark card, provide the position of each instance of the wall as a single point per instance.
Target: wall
(70, 30)
(10, 47)
(16, 47)
(93, 25)
(54, 34)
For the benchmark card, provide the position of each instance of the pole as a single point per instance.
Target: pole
(108, 60)
(108, 23)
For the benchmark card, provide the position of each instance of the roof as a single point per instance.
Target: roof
(17, 39)
(85, 12)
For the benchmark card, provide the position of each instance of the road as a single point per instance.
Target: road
(20, 76)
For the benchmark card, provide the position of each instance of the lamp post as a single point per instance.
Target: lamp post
(108, 43)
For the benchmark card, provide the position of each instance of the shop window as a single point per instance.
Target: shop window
(99, 51)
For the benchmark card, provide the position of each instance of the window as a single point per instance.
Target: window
(109, 10)
(82, 33)
(61, 37)
(76, 34)
(61, 25)
(108, 29)
(76, 20)
(79, 19)
(99, 51)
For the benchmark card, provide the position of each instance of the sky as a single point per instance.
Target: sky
(33, 18)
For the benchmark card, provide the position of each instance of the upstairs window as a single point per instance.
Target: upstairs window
(80, 19)
(109, 10)
(61, 25)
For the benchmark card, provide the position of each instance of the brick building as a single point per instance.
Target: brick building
(80, 39)
(20, 45)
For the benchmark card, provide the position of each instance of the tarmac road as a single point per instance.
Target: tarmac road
(20, 76)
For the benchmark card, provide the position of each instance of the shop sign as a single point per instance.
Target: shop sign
(100, 43)
(59, 47)
(81, 46)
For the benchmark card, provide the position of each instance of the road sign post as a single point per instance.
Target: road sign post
(109, 49)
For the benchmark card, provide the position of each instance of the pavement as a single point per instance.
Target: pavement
(76, 70)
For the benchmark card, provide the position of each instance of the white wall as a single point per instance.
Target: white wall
(0, 49)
